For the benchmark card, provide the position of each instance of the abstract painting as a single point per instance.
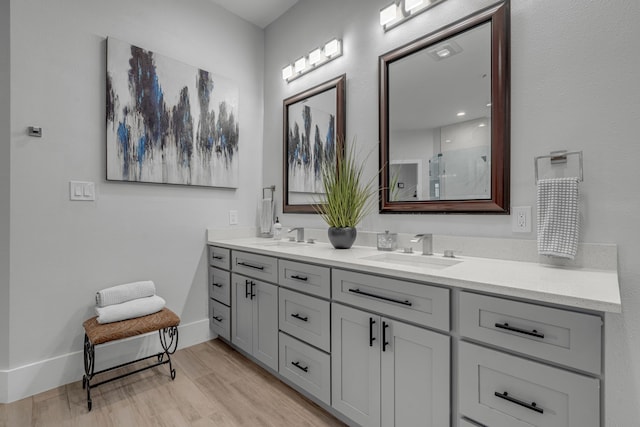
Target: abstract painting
(168, 122)
(314, 131)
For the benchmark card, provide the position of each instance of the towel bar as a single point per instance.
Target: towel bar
(559, 157)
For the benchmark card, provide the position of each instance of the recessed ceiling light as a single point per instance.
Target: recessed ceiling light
(447, 140)
(443, 53)
(481, 125)
(461, 113)
(489, 104)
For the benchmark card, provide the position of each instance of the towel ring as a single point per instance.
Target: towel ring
(559, 157)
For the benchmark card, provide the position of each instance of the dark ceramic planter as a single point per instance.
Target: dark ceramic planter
(342, 238)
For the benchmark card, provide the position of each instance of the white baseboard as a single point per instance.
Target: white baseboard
(34, 378)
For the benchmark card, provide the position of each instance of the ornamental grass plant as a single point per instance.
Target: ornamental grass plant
(347, 198)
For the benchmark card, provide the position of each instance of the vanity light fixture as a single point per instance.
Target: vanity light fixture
(317, 57)
(402, 10)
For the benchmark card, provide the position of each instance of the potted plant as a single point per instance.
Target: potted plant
(347, 199)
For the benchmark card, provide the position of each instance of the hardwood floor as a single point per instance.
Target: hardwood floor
(214, 386)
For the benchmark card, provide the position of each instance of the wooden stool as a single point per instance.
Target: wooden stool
(165, 322)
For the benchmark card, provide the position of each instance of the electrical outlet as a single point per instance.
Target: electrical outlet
(521, 219)
(233, 217)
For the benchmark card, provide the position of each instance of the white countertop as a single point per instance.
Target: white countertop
(586, 288)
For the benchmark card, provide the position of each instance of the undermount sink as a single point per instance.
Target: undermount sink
(415, 260)
(282, 243)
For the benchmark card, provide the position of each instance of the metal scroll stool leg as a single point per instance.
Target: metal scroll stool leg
(169, 343)
(89, 366)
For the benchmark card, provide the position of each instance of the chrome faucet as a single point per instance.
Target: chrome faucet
(300, 235)
(427, 243)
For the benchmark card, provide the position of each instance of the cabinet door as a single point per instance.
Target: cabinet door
(415, 376)
(242, 313)
(355, 364)
(265, 323)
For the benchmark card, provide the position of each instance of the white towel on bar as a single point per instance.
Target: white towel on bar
(123, 293)
(558, 217)
(128, 310)
(266, 215)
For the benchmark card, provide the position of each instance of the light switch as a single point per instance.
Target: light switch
(82, 190)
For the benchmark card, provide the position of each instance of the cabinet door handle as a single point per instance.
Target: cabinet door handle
(299, 366)
(257, 267)
(253, 284)
(303, 278)
(358, 291)
(506, 326)
(385, 343)
(297, 316)
(217, 285)
(217, 318)
(217, 257)
(532, 405)
(371, 337)
(246, 289)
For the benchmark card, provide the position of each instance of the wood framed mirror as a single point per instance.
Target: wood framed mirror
(444, 119)
(313, 129)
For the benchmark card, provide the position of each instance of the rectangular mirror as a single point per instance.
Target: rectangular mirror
(314, 128)
(444, 121)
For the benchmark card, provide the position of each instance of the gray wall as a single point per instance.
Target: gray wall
(5, 170)
(573, 86)
(62, 251)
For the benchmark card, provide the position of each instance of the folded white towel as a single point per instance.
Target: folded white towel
(123, 293)
(130, 309)
(558, 217)
(266, 215)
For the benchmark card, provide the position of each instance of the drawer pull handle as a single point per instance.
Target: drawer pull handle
(257, 267)
(253, 284)
(371, 337)
(531, 405)
(297, 316)
(217, 285)
(506, 326)
(299, 366)
(303, 278)
(385, 343)
(247, 292)
(358, 291)
(217, 257)
(217, 318)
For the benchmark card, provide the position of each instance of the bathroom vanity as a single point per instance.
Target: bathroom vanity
(387, 338)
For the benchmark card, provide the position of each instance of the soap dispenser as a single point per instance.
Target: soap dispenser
(277, 229)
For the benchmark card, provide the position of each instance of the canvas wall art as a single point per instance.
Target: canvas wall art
(169, 122)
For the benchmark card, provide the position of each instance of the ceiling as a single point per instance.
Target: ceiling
(259, 12)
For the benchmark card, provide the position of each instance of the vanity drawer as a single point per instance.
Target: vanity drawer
(311, 279)
(220, 285)
(305, 366)
(468, 423)
(536, 394)
(253, 265)
(306, 317)
(220, 319)
(566, 337)
(418, 303)
(219, 257)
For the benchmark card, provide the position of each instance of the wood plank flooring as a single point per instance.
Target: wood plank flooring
(214, 386)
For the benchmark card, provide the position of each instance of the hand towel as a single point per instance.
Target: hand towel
(266, 215)
(128, 310)
(123, 293)
(558, 217)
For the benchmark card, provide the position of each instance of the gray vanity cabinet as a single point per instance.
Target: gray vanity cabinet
(254, 312)
(388, 373)
(219, 284)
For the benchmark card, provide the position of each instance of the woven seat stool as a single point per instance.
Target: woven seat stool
(165, 322)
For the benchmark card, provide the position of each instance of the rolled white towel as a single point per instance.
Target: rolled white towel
(128, 310)
(123, 293)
